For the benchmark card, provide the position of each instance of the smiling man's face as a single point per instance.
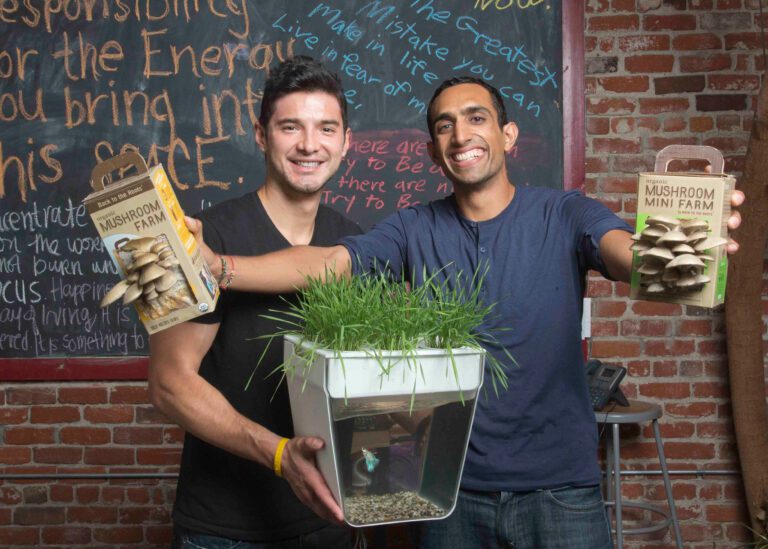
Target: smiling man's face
(468, 143)
(304, 141)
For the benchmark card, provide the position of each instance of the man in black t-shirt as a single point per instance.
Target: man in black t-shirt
(239, 443)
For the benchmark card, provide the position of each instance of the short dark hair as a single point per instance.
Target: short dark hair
(300, 74)
(498, 101)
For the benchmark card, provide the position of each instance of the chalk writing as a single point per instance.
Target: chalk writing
(181, 82)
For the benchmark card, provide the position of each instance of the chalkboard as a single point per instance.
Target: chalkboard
(180, 81)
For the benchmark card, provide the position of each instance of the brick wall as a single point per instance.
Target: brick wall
(658, 72)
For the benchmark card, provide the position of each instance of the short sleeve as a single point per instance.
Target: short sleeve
(589, 221)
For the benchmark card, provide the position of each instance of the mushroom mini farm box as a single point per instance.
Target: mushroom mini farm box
(679, 243)
(142, 225)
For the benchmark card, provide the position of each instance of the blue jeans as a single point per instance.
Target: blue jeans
(330, 537)
(566, 518)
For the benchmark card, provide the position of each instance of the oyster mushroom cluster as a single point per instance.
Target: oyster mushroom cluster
(673, 254)
(154, 281)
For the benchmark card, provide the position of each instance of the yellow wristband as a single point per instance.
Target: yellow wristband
(278, 463)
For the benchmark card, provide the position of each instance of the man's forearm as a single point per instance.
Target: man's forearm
(285, 270)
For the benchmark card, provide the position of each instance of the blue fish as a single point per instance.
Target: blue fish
(371, 461)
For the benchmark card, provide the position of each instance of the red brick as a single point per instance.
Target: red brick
(614, 105)
(727, 144)
(612, 348)
(137, 495)
(649, 308)
(603, 328)
(692, 409)
(66, 535)
(714, 430)
(593, 164)
(158, 456)
(84, 435)
(680, 429)
(733, 82)
(173, 435)
(29, 435)
(728, 122)
(598, 6)
(14, 456)
(649, 63)
(54, 414)
(702, 327)
(656, 105)
(743, 41)
(598, 126)
(128, 394)
(658, 143)
(11, 416)
(119, 534)
(664, 368)
(638, 368)
(645, 327)
(701, 124)
(688, 450)
(19, 395)
(644, 42)
(112, 494)
(649, 123)
(137, 435)
(669, 22)
(109, 456)
(18, 536)
(92, 514)
(622, 125)
(700, 41)
(9, 495)
(723, 513)
(58, 454)
(625, 84)
(705, 62)
(613, 22)
(87, 494)
(619, 185)
(610, 308)
(679, 84)
(667, 347)
(710, 389)
(144, 515)
(62, 493)
(159, 534)
(711, 347)
(27, 516)
(83, 395)
(108, 414)
(666, 390)
(675, 124)
(616, 145)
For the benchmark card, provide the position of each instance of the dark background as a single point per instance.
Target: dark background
(53, 269)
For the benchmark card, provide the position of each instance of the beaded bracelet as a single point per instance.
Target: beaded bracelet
(230, 274)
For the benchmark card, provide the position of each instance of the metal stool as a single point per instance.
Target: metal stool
(636, 412)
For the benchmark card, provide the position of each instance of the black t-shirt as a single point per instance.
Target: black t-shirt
(220, 493)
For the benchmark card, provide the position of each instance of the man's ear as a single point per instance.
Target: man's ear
(261, 136)
(431, 151)
(347, 137)
(510, 132)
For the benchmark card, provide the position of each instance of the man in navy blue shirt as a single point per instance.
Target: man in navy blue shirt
(531, 475)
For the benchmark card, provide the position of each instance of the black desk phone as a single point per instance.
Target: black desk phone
(604, 382)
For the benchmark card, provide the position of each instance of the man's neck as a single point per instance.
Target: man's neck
(484, 202)
(294, 216)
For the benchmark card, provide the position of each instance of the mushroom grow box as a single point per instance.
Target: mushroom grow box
(394, 442)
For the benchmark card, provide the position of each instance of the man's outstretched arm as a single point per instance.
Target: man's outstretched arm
(278, 272)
